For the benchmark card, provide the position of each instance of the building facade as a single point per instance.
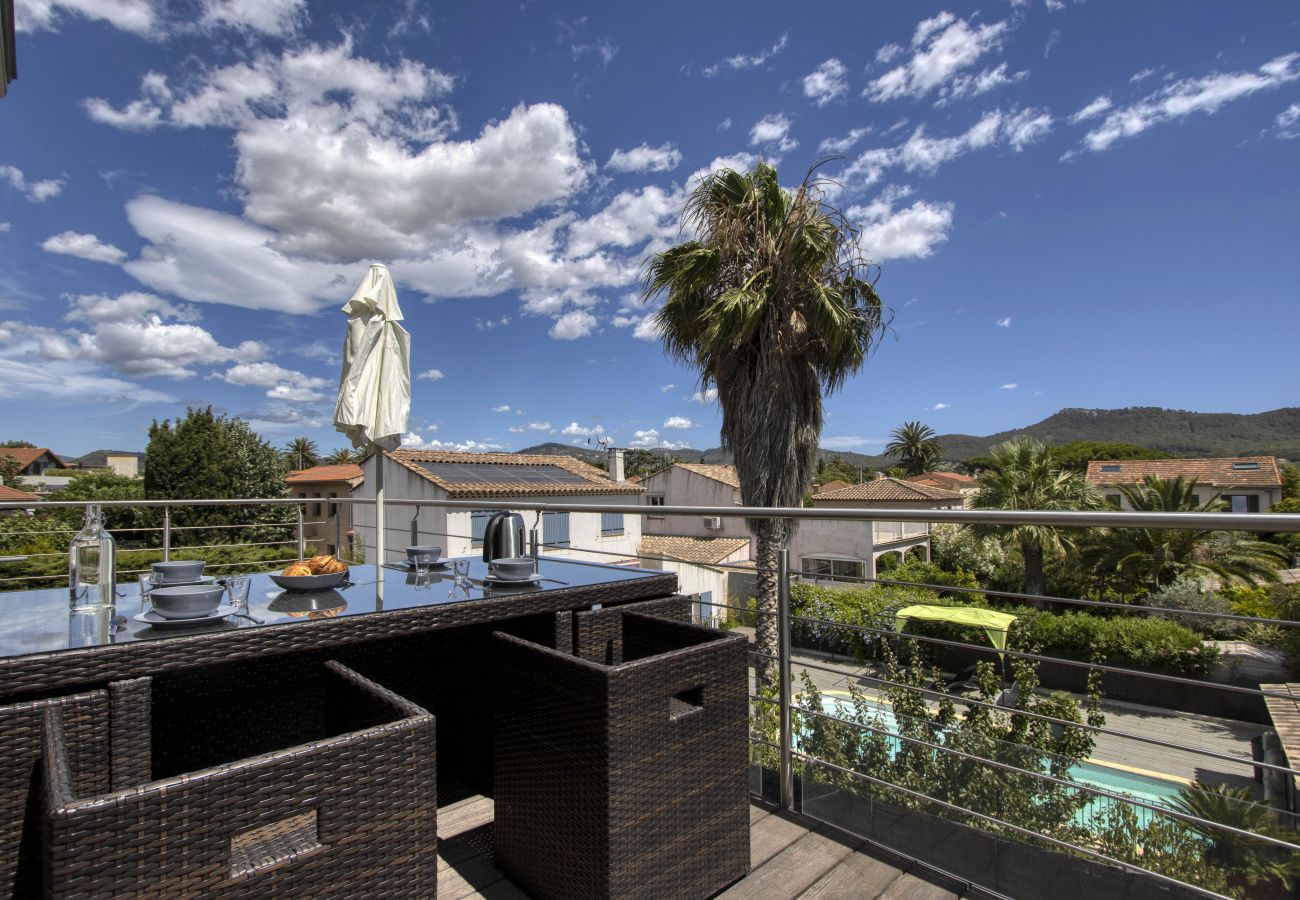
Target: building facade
(1246, 484)
(327, 525)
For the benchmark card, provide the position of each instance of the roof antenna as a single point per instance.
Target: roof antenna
(602, 443)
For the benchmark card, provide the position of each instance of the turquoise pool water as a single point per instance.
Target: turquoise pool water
(1156, 791)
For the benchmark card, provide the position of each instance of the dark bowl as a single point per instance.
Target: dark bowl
(412, 552)
(302, 603)
(310, 582)
(178, 571)
(190, 601)
(511, 568)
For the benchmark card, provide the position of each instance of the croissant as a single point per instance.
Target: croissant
(297, 569)
(317, 564)
(332, 567)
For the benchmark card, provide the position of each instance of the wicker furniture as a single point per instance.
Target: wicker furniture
(626, 779)
(336, 799)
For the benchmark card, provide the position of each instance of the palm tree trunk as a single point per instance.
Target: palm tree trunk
(1035, 581)
(766, 554)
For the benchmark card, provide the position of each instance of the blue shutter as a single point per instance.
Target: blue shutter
(478, 525)
(611, 523)
(555, 529)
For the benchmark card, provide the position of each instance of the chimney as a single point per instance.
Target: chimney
(615, 458)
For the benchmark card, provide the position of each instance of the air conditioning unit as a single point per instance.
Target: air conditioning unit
(713, 523)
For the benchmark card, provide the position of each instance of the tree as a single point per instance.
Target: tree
(205, 456)
(975, 464)
(1026, 475)
(302, 453)
(774, 305)
(1149, 558)
(342, 456)
(18, 444)
(916, 447)
(1077, 454)
(90, 485)
(1290, 481)
(11, 473)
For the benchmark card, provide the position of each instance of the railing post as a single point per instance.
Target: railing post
(167, 533)
(785, 739)
(302, 542)
(338, 529)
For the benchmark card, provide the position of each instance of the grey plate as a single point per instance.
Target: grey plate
(203, 579)
(495, 581)
(157, 621)
(310, 582)
(407, 566)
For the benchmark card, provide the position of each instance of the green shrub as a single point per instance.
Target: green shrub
(1186, 593)
(863, 607)
(917, 571)
(1141, 642)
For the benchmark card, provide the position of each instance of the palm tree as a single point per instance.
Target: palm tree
(774, 305)
(1026, 475)
(916, 446)
(302, 453)
(1234, 806)
(341, 457)
(1149, 558)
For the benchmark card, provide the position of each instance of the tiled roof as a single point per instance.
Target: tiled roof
(830, 486)
(726, 474)
(28, 455)
(1217, 473)
(886, 490)
(708, 550)
(952, 481)
(349, 472)
(596, 481)
(8, 493)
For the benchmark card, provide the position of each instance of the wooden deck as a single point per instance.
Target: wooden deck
(790, 857)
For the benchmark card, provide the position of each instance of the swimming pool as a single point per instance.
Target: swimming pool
(1156, 791)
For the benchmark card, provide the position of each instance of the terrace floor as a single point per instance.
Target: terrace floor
(790, 857)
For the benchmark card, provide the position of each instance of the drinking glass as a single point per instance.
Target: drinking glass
(148, 581)
(238, 586)
(461, 568)
(422, 563)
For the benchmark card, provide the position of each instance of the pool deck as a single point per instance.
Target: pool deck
(790, 856)
(1225, 736)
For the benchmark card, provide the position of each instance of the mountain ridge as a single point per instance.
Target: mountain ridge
(1180, 432)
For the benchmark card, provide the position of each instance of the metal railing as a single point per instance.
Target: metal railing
(795, 762)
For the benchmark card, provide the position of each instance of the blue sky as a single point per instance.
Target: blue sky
(1073, 204)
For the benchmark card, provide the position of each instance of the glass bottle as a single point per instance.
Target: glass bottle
(92, 566)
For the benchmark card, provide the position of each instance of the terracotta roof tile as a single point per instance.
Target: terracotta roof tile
(596, 481)
(1218, 473)
(349, 472)
(708, 550)
(885, 490)
(8, 493)
(28, 455)
(830, 486)
(952, 481)
(725, 474)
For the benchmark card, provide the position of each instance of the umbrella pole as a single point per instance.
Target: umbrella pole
(379, 528)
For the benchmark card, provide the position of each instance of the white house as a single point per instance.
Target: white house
(499, 478)
(1245, 483)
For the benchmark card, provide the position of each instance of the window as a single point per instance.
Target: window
(316, 507)
(1112, 468)
(1241, 503)
(611, 524)
(1113, 501)
(1196, 499)
(555, 529)
(819, 569)
(1245, 466)
(654, 500)
(477, 525)
(334, 507)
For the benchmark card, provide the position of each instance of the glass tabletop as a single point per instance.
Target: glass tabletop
(39, 621)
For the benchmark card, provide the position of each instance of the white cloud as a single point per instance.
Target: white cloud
(746, 61)
(1206, 94)
(887, 52)
(1092, 110)
(646, 439)
(4, 226)
(278, 18)
(86, 246)
(846, 441)
(1141, 76)
(430, 375)
(134, 16)
(629, 219)
(577, 323)
(574, 429)
(942, 46)
(415, 442)
(826, 82)
(773, 129)
(941, 406)
(665, 388)
(964, 86)
(516, 429)
(1054, 5)
(725, 124)
(678, 422)
(643, 326)
(1011, 386)
(35, 191)
(705, 396)
(843, 144)
(503, 408)
(1004, 322)
(1025, 127)
(131, 306)
(540, 426)
(280, 383)
(1288, 122)
(914, 231)
(645, 159)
